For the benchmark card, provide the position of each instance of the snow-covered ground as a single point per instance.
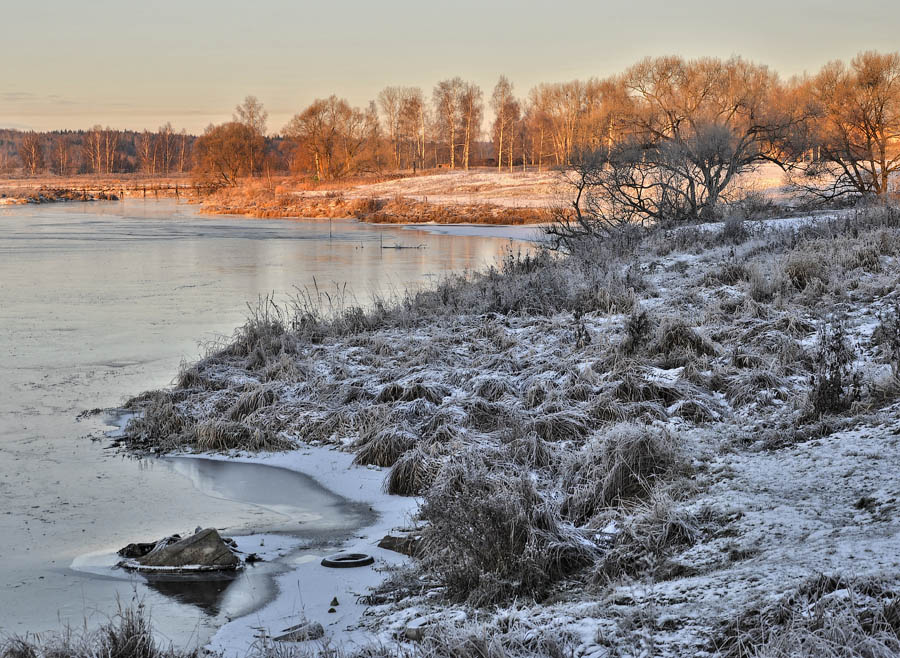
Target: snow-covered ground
(514, 189)
(715, 345)
(306, 591)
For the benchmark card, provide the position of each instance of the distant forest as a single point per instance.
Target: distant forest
(683, 116)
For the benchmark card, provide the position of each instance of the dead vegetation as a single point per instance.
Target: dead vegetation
(128, 634)
(265, 202)
(557, 414)
(825, 616)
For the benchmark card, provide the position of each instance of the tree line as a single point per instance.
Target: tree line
(99, 150)
(665, 137)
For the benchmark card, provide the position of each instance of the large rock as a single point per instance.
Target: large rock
(205, 550)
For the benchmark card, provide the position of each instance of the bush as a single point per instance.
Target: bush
(493, 536)
(835, 383)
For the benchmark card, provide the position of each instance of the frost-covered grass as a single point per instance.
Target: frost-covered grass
(128, 634)
(630, 445)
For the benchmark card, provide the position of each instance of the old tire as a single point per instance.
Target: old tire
(347, 560)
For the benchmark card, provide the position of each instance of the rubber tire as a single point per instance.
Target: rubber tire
(347, 560)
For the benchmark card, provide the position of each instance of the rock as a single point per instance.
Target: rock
(334, 602)
(308, 630)
(140, 549)
(205, 550)
(331, 610)
(415, 628)
(408, 544)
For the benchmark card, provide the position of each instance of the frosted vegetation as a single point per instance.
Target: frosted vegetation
(659, 443)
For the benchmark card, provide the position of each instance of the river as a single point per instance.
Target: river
(101, 301)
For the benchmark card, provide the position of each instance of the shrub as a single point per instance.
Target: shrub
(887, 337)
(638, 327)
(835, 383)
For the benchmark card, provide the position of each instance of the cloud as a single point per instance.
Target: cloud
(29, 98)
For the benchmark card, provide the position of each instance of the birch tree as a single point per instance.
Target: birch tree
(471, 113)
(447, 97)
(252, 114)
(31, 153)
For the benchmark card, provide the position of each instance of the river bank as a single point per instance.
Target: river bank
(635, 448)
(73, 337)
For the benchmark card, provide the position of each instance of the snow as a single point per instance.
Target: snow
(514, 189)
(306, 590)
(529, 233)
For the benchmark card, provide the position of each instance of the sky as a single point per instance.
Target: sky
(130, 64)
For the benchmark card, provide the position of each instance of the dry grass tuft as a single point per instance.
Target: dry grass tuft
(385, 448)
(413, 472)
(492, 535)
(223, 435)
(257, 398)
(654, 530)
(620, 464)
(828, 616)
(128, 634)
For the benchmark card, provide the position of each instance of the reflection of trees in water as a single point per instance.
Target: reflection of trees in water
(205, 592)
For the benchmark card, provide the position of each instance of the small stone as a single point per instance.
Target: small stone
(415, 628)
(331, 610)
(334, 602)
(309, 630)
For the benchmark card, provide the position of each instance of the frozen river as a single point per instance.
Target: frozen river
(99, 302)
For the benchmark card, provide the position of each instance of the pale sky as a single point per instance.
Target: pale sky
(129, 64)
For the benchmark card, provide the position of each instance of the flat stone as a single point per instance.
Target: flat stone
(415, 628)
(309, 630)
(407, 545)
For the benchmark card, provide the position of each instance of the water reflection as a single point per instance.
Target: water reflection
(102, 301)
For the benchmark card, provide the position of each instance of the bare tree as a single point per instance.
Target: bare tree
(253, 115)
(61, 155)
(222, 153)
(146, 146)
(411, 124)
(165, 140)
(853, 129)
(101, 149)
(471, 112)
(447, 97)
(335, 135)
(31, 153)
(506, 111)
(184, 146)
(692, 127)
(390, 100)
